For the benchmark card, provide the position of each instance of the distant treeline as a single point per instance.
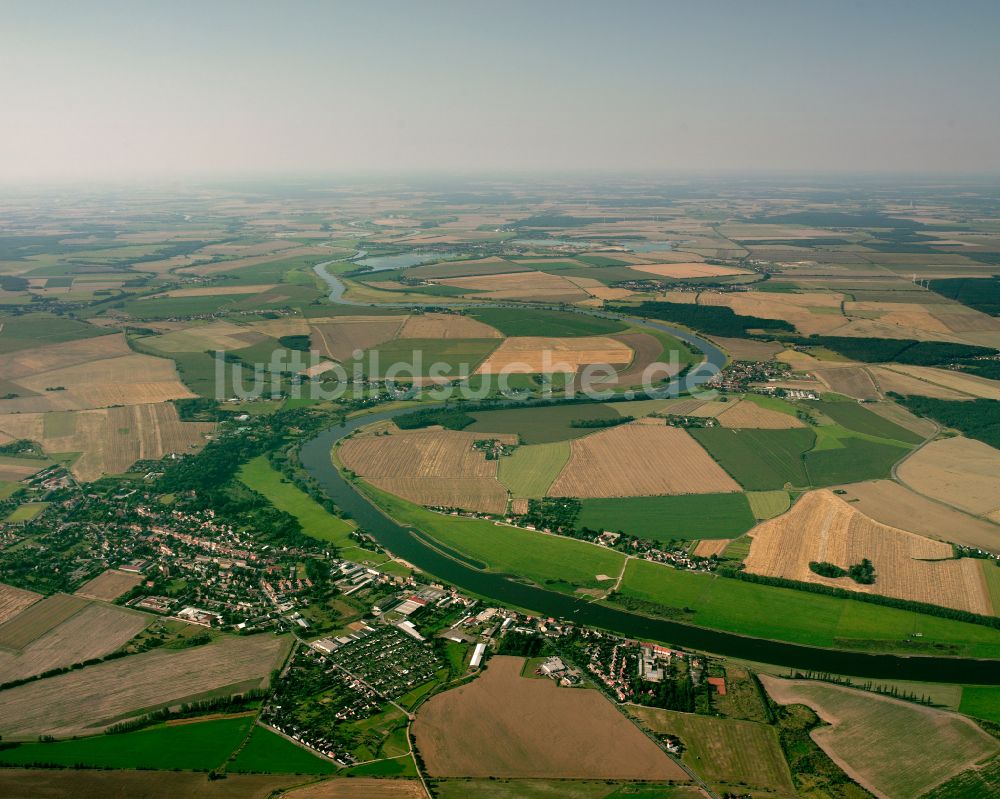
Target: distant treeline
(711, 319)
(978, 418)
(875, 599)
(898, 350)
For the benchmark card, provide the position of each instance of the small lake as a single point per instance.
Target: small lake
(648, 246)
(406, 259)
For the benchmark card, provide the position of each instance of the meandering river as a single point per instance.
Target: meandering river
(505, 590)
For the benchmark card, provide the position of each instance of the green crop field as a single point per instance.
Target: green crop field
(856, 417)
(40, 329)
(199, 746)
(538, 322)
(396, 767)
(724, 750)
(542, 425)
(268, 753)
(759, 459)
(688, 516)
(559, 563)
(530, 470)
(768, 504)
(27, 511)
(856, 460)
(419, 355)
(284, 495)
(981, 701)
(786, 614)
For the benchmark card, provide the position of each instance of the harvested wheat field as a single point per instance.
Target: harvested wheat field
(431, 453)
(442, 468)
(895, 749)
(892, 504)
(33, 622)
(439, 325)
(540, 286)
(131, 379)
(14, 600)
(707, 548)
(213, 291)
(64, 783)
(205, 338)
(504, 725)
(748, 414)
(747, 350)
(94, 631)
(13, 470)
(888, 380)
(854, 381)
(110, 440)
(821, 527)
(955, 381)
(359, 788)
(483, 494)
(339, 339)
(109, 585)
(959, 471)
(87, 700)
(682, 270)
(26, 362)
(639, 460)
(540, 354)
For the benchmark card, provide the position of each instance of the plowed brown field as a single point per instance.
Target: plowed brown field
(504, 725)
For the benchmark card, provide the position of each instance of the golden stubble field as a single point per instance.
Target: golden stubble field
(92, 631)
(14, 600)
(634, 460)
(536, 354)
(441, 467)
(110, 440)
(85, 701)
(504, 725)
(958, 471)
(822, 527)
(895, 749)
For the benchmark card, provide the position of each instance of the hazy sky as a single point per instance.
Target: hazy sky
(170, 87)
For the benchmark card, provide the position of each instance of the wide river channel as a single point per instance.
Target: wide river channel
(505, 590)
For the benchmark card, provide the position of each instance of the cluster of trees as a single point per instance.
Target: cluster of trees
(710, 319)
(447, 417)
(553, 513)
(978, 418)
(597, 423)
(863, 573)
